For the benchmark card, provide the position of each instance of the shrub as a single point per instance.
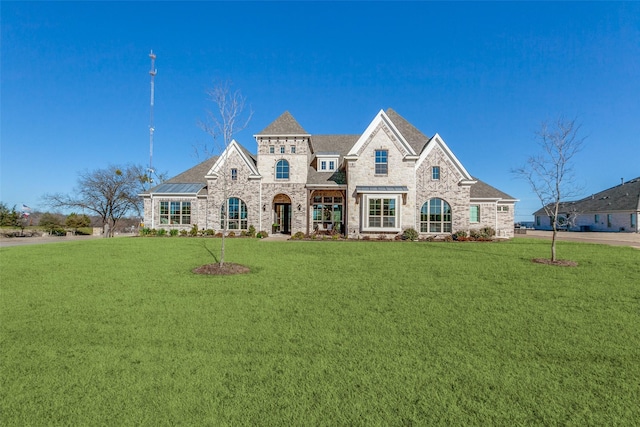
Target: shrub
(153, 232)
(335, 236)
(487, 232)
(173, 232)
(183, 233)
(194, 230)
(430, 238)
(259, 235)
(252, 231)
(382, 237)
(208, 232)
(460, 235)
(161, 232)
(145, 231)
(448, 238)
(298, 236)
(218, 234)
(231, 234)
(264, 233)
(410, 234)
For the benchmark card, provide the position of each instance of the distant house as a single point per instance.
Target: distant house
(614, 209)
(381, 182)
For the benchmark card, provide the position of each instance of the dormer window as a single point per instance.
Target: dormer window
(327, 162)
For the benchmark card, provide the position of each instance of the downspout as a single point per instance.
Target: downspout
(153, 213)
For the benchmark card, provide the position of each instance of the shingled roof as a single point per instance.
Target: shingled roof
(482, 190)
(284, 125)
(416, 139)
(623, 197)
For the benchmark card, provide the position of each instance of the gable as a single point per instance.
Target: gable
(234, 150)
(437, 143)
(382, 123)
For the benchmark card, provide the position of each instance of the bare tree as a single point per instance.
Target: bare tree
(222, 124)
(110, 193)
(550, 173)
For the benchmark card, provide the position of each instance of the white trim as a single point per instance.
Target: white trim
(437, 140)
(381, 117)
(233, 146)
(364, 217)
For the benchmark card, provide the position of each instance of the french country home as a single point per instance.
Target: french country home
(387, 179)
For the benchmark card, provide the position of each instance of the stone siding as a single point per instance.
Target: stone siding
(446, 188)
(361, 172)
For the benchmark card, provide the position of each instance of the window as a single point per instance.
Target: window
(327, 213)
(381, 162)
(596, 218)
(323, 165)
(474, 213)
(538, 221)
(609, 220)
(435, 217)
(237, 218)
(293, 149)
(282, 149)
(282, 169)
(503, 208)
(272, 149)
(435, 173)
(382, 213)
(332, 165)
(234, 174)
(175, 212)
(633, 220)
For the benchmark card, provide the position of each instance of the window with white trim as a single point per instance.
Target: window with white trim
(435, 216)
(435, 173)
(282, 169)
(382, 162)
(633, 220)
(381, 212)
(293, 149)
(175, 212)
(282, 149)
(234, 174)
(237, 214)
(323, 165)
(272, 149)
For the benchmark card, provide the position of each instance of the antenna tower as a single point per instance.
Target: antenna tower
(152, 73)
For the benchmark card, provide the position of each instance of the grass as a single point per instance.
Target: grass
(119, 331)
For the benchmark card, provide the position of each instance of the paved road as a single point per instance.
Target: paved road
(616, 239)
(6, 242)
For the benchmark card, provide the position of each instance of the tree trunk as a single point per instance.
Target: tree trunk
(553, 245)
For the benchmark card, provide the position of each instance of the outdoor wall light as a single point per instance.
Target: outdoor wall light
(264, 208)
(299, 207)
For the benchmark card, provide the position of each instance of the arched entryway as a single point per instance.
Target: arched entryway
(282, 214)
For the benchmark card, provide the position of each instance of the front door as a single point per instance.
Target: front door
(283, 217)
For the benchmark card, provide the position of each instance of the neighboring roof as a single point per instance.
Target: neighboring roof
(414, 137)
(482, 190)
(284, 125)
(622, 197)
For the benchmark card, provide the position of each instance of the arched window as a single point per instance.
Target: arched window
(282, 169)
(237, 217)
(435, 216)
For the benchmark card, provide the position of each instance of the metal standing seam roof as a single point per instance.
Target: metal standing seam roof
(381, 188)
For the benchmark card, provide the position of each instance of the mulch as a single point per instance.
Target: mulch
(228, 268)
(558, 262)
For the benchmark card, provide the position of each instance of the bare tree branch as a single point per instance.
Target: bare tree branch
(550, 174)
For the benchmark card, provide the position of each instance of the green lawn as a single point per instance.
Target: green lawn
(120, 332)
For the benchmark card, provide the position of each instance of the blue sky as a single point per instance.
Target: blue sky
(75, 83)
